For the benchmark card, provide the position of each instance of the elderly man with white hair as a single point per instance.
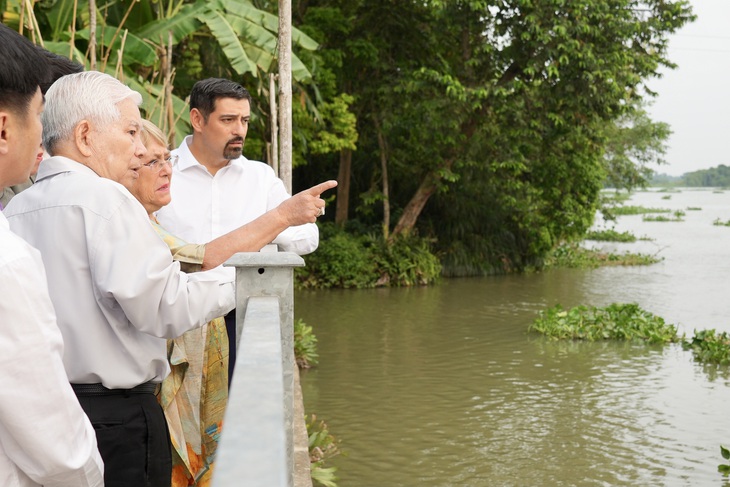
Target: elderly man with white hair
(118, 294)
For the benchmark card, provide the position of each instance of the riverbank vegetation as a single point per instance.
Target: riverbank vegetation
(350, 260)
(305, 345)
(613, 322)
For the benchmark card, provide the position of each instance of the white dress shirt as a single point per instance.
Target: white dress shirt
(204, 207)
(116, 290)
(45, 437)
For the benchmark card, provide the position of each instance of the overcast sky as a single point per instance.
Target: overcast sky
(694, 99)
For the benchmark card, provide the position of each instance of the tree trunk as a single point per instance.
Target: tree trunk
(384, 169)
(414, 207)
(343, 187)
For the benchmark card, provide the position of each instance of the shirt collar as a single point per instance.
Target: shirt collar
(4, 222)
(58, 164)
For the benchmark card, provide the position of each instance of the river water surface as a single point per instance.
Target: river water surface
(444, 386)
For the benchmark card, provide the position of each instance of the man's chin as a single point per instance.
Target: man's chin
(231, 154)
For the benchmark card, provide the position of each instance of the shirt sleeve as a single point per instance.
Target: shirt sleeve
(133, 268)
(190, 256)
(302, 239)
(43, 429)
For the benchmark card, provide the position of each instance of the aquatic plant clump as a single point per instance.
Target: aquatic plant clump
(572, 255)
(614, 322)
(708, 346)
(638, 210)
(610, 236)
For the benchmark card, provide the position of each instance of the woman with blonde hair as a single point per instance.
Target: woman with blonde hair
(195, 393)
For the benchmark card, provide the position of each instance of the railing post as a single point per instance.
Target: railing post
(272, 274)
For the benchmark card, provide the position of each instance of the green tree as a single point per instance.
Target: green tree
(492, 114)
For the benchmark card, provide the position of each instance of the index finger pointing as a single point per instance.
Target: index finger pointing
(322, 187)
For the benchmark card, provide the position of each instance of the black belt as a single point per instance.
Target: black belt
(100, 390)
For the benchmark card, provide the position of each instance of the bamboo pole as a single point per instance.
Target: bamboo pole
(285, 94)
(274, 152)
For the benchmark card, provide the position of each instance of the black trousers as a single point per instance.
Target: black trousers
(230, 319)
(133, 439)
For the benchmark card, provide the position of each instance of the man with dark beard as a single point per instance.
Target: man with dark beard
(216, 188)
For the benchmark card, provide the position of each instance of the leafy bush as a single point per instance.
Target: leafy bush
(342, 260)
(406, 261)
(347, 260)
(614, 322)
(305, 345)
(709, 347)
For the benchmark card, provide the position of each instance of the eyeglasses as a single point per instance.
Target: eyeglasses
(157, 164)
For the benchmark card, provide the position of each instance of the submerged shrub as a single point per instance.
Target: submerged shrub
(614, 322)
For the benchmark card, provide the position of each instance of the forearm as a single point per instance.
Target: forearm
(251, 237)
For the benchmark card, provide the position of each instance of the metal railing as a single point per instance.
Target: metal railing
(257, 442)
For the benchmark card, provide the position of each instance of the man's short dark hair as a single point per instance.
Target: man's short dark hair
(205, 93)
(57, 66)
(23, 69)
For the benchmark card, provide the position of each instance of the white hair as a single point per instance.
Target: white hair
(89, 95)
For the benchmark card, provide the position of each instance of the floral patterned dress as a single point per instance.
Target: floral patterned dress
(195, 393)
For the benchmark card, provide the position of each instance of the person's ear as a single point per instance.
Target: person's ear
(196, 120)
(4, 124)
(83, 138)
